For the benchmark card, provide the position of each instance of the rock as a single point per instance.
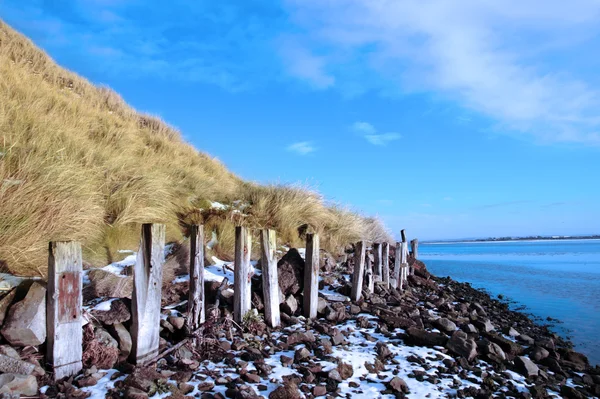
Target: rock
(251, 378)
(8, 364)
(286, 361)
(460, 344)
(470, 329)
(575, 357)
(571, 393)
(290, 305)
(346, 370)
(288, 390)
(526, 339)
(493, 351)
(321, 305)
(123, 337)
(142, 378)
(300, 337)
(290, 272)
(445, 324)
(485, 326)
(420, 337)
(336, 312)
(177, 322)
(9, 351)
(335, 375)
(383, 352)
(397, 384)
(511, 332)
(509, 347)
(135, 393)
(301, 354)
(25, 323)
(100, 349)
(118, 313)
(319, 390)
(107, 284)
(526, 366)
(5, 303)
(25, 385)
(538, 354)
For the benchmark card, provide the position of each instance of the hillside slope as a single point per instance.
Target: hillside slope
(77, 163)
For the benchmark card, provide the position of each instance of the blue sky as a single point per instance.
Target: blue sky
(452, 119)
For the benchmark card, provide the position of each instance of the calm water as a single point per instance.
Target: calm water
(560, 279)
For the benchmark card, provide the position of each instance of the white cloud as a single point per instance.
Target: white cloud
(305, 65)
(369, 132)
(504, 60)
(301, 148)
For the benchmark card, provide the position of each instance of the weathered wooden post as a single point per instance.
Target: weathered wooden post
(398, 266)
(242, 285)
(311, 276)
(378, 265)
(359, 270)
(196, 301)
(403, 234)
(63, 309)
(414, 246)
(385, 259)
(147, 289)
(369, 277)
(404, 262)
(268, 246)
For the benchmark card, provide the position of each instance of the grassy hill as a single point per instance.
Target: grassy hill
(77, 163)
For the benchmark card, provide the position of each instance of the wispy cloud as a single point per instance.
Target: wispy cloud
(465, 51)
(369, 132)
(448, 198)
(302, 148)
(500, 205)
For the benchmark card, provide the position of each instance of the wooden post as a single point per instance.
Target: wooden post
(414, 245)
(403, 234)
(147, 289)
(385, 259)
(196, 301)
(404, 262)
(311, 276)
(63, 309)
(242, 285)
(359, 270)
(369, 277)
(378, 267)
(398, 266)
(268, 246)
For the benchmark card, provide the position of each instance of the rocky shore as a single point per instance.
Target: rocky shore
(436, 338)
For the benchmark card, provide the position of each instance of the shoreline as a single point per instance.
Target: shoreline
(504, 241)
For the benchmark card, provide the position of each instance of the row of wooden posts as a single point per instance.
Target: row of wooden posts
(64, 298)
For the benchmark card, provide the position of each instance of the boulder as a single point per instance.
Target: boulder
(321, 305)
(290, 272)
(25, 385)
(100, 349)
(460, 344)
(346, 370)
(493, 351)
(12, 365)
(445, 324)
(118, 312)
(123, 337)
(397, 384)
(526, 366)
(290, 305)
(288, 390)
(484, 325)
(5, 303)
(538, 353)
(509, 347)
(420, 337)
(25, 323)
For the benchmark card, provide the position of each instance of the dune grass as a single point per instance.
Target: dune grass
(77, 163)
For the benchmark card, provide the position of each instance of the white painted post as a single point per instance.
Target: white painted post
(385, 259)
(63, 309)
(147, 289)
(311, 276)
(398, 267)
(404, 262)
(196, 301)
(369, 277)
(378, 267)
(359, 270)
(242, 274)
(268, 246)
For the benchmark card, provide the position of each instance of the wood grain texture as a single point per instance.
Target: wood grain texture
(146, 298)
(63, 309)
(359, 270)
(242, 274)
(196, 300)
(414, 245)
(398, 267)
(369, 276)
(377, 261)
(268, 261)
(404, 262)
(311, 276)
(403, 234)
(385, 260)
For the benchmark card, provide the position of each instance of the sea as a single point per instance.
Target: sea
(556, 281)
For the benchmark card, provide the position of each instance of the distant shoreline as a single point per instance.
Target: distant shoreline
(515, 239)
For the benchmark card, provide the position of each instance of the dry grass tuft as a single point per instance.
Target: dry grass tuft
(77, 163)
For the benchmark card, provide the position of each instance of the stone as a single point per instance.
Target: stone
(123, 337)
(335, 375)
(383, 352)
(575, 357)
(485, 326)
(526, 366)
(509, 347)
(290, 305)
(135, 393)
(177, 322)
(8, 364)
(100, 349)
(493, 351)
(336, 312)
(25, 323)
(345, 370)
(319, 390)
(288, 390)
(300, 337)
(420, 337)
(9, 351)
(571, 393)
(538, 353)
(526, 339)
(321, 305)
(397, 384)
(25, 385)
(5, 303)
(445, 324)
(460, 344)
(107, 284)
(251, 378)
(470, 329)
(511, 332)
(186, 388)
(290, 273)
(286, 361)
(117, 313)
(301, 354)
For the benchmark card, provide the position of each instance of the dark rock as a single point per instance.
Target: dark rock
(301, 354)
(300, 338)
(135, 393)
(5, 303)
(9, 364)
(319, 390)
(290, 272)
(420, 337)
(445, 325)
(460, 344)
(290, 305)
(345, 370)
(526, 366)
(118, 313)
(288, 390)
(538, 354)
(25, 385)
(383, 352)
(571, 393)
(397, 384)
(25, 322)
